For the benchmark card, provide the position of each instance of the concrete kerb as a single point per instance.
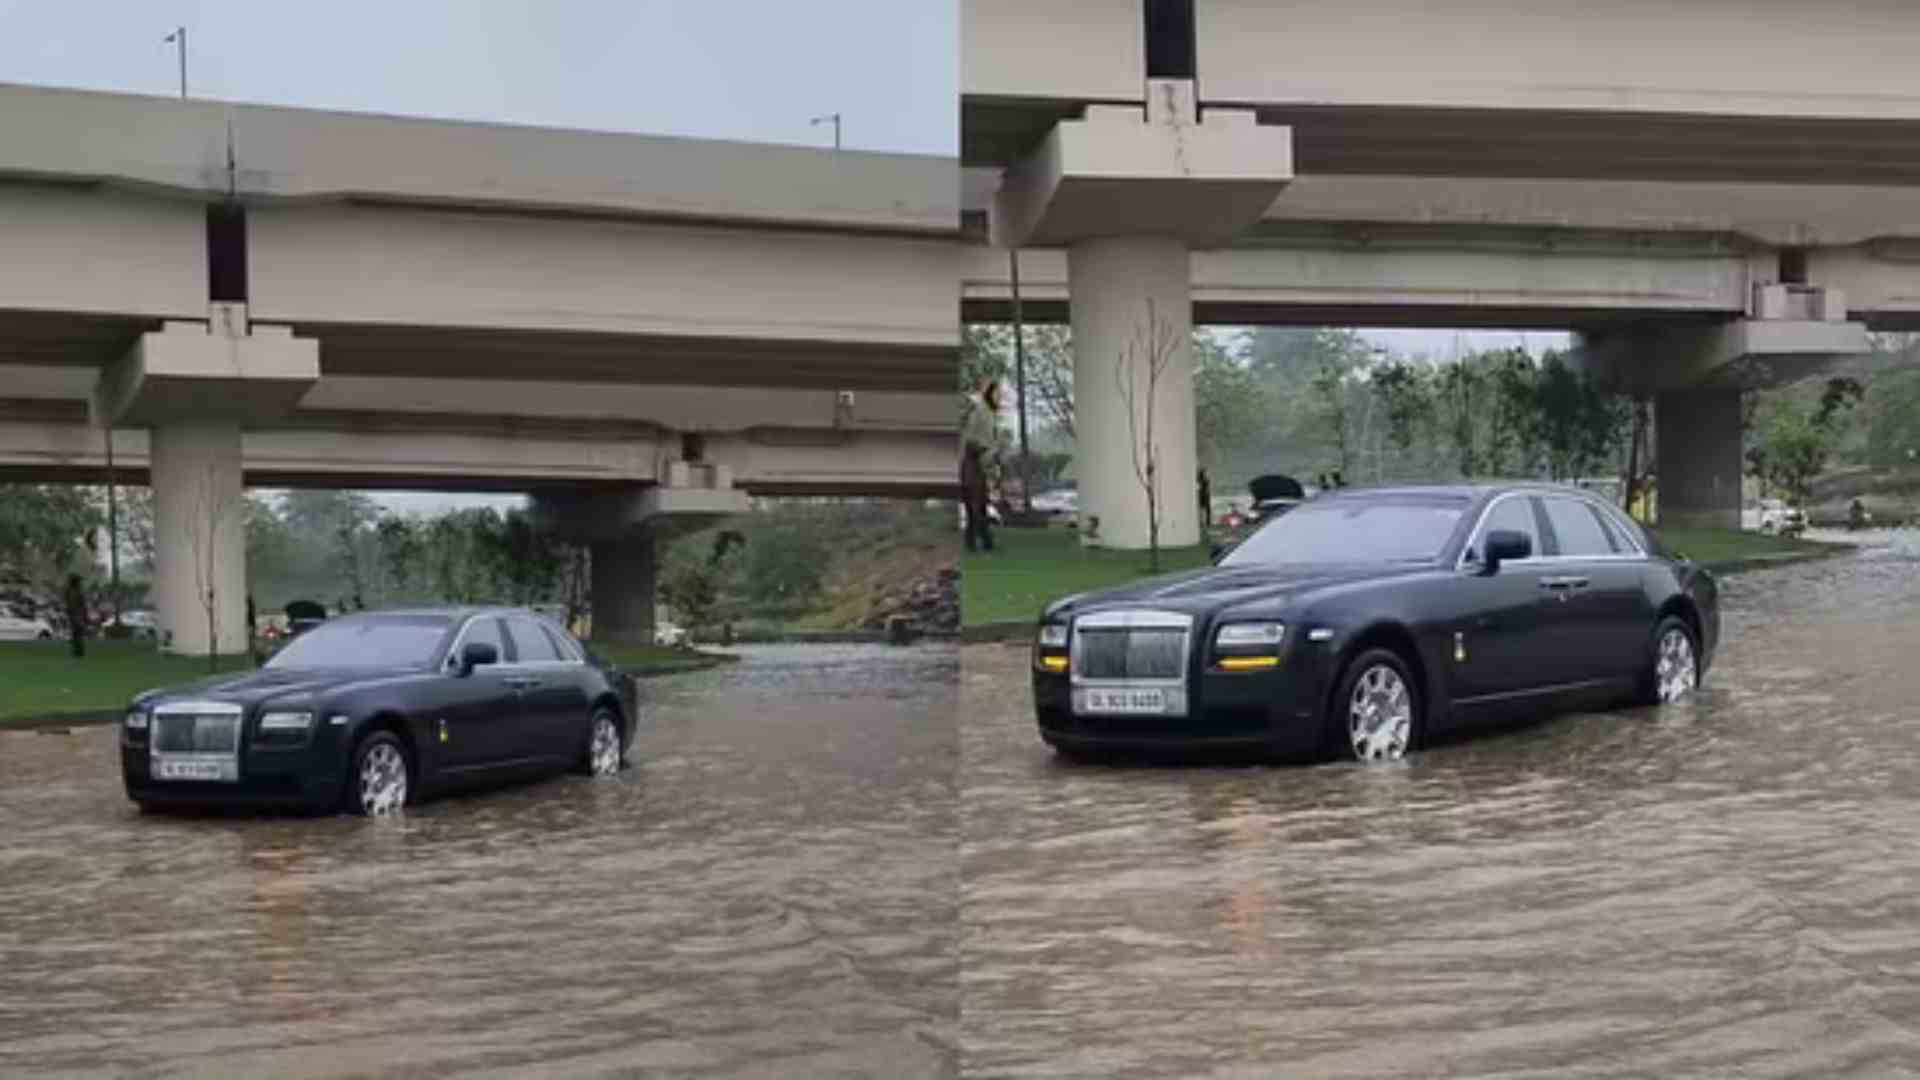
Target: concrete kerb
(1005, 633)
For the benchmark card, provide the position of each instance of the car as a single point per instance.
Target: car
(1775, 516)
(141, 624)
(24, 628)
(1058, 501)
(1363, 621)
(373, 711)
(669, 635)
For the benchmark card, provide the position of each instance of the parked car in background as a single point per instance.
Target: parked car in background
(1057, 501)
(1360, 621)
(1775, 516)
(374, 710)
(144, 624)
(670, 635)
(24, 628)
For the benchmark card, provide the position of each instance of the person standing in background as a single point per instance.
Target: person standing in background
(76, 604)
(1206, 504)
(978, 430)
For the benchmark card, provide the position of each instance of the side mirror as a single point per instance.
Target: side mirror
(1506, 545)
(477, 654)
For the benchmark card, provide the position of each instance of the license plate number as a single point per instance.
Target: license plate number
(1126, 702)
(192, 770)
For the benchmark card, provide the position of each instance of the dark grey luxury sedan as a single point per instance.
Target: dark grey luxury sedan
(1362, 620)
(373, 711)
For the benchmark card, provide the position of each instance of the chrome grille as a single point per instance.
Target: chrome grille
(1132, 653)
(182, 733)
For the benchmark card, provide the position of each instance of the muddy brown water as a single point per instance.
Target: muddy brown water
(1725, 888)
(771, 891)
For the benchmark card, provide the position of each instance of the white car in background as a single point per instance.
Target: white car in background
(667, 635)
(21, 628)
(1775, 516)
(1057, 501)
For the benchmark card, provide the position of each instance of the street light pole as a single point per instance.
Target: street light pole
(179, 36)
(834, 118)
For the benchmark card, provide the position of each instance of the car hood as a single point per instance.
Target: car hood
(1198, 592)
(253, 687)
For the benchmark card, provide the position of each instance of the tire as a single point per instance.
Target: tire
(1664, 688)
(46, 635)
(1386, 724)
(374, 788)
(606, 745)
(1073, 755)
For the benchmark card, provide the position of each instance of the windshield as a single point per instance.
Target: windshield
(377, 641)
(1345, 531)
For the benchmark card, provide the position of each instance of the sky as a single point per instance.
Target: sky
(756, 70)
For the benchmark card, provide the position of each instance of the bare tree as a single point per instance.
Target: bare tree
(203, 538)
(1146, 358)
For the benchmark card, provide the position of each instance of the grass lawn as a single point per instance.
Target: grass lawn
(1030, 567)
(1723, 545)
(40, 682)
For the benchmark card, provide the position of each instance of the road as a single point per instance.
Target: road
(1728, 887)
(771, 891)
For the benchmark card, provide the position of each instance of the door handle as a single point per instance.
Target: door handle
(523, 684)
(1565, 582)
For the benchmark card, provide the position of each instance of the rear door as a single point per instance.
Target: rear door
(1602, 612)
(554, 694)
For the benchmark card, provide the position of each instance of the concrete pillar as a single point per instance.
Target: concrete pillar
(1132, 309)
(1698, 455)
(623, 590)
(200, 538)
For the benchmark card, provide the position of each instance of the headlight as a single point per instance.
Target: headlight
(286, 721)
(136, 720)
(1053, 636)
(1049, 652)
(1249, 635)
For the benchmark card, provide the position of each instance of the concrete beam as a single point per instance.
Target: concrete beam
(224, 371)
(157, 144)
(1742, 354)
(1165, 170)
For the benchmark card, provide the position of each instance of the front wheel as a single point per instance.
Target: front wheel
(1673, 672)
(381, 779)
(604, 745)
(1377, 708)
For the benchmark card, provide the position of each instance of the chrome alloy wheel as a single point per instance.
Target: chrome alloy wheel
(1676, 673)
(383, 781)
(1380, 715)
(604, 758)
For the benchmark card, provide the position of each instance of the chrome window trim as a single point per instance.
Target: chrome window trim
(1639, 554)
(538, 621)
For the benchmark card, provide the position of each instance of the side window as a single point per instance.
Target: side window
(1577, 529)
(532, 643)
(1514, 513)
(485, 631)
(561, 646)
(1617, 533)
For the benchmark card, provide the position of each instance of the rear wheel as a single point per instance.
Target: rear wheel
(1376, 712)
(604, 745)
(382, 774)
(1673, 671)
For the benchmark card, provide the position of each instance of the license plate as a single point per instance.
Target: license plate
(193, 770)
(1125, 702)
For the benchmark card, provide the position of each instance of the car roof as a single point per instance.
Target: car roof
(1467, 491)
(452, 611)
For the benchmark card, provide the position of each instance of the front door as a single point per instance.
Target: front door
(1499, 660)
(480, 712)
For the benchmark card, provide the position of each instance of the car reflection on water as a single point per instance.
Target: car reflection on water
(1362, 621)
(372, 711)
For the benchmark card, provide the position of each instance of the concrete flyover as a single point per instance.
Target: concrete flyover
(1658, 178)
(638, 331)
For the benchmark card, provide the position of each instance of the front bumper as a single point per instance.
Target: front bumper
(1278, 712)
(307, 777)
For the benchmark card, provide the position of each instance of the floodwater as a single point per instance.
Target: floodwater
(1725, 888)
(771, 891)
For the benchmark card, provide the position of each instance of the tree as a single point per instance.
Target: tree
(1404, 397)
(45, 534)
(1146, 358)
(1795, 437)
(1226, 400)
(1330, 391)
